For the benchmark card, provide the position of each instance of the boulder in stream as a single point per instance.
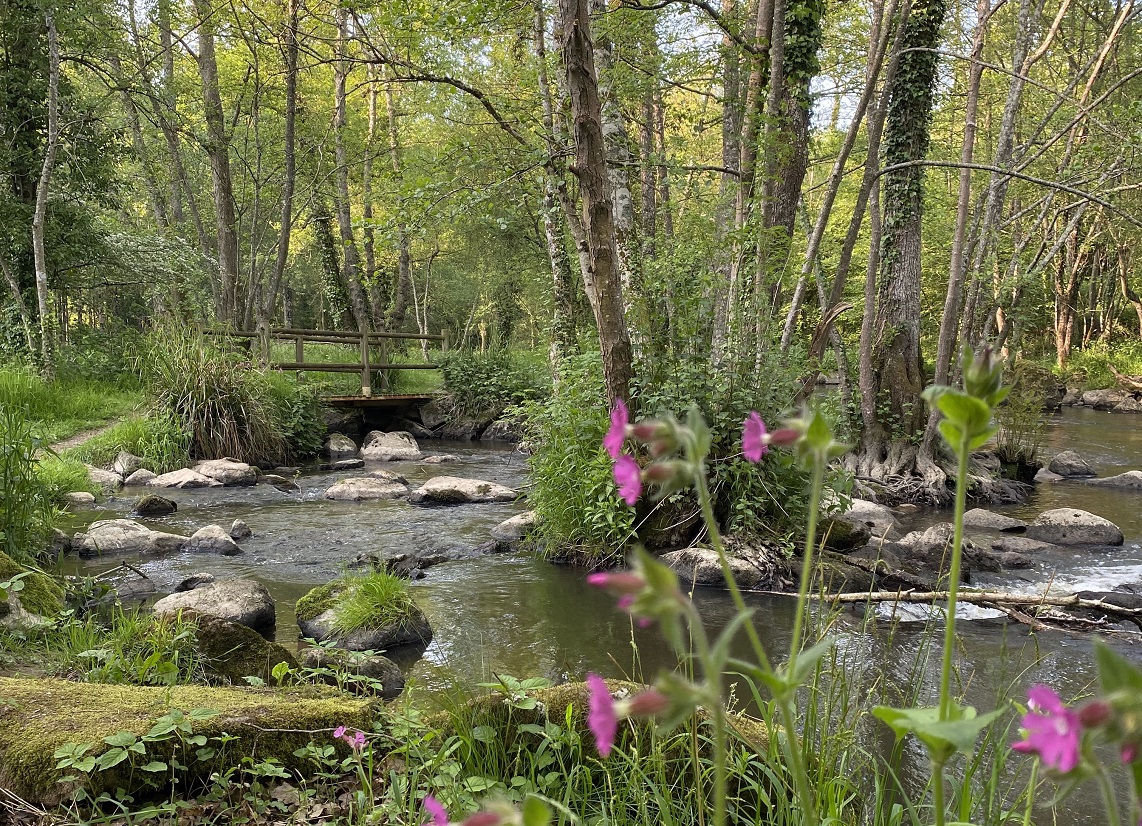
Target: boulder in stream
(194, 581)
(151, 504)
(127, 463)
(231, 651)
(397, 625)
(1071, 526)
(230, 472)
(183, 480)
(281, 483)
(1021, 545)
(984, 519)
(503, 430)
(453, 490)
(124, 536)
(105, 479)
(1130, 480)
(1104, 399)
(79, 499)
(366, 488)
(342, 464)
(339, 446)
(1070, 465)
(513, 530)
(754, 566)
(374, 673)
(240, 530)
(441, 459)
(243, 601)
(1128, 405)
(213, 539)
(140, 477)
(390, 447)
(880, 521)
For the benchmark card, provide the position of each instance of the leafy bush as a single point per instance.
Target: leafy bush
(483, 385)
(1094, 362)
(1020, 417)
(132, 648)
(25, 504)
(574, 492)
(159, 439)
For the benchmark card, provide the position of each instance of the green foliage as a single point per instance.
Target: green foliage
(62, 474)
(1094, 361)
(38, 592)
(25, 503)
(483, 385)
(374, 600)
(580, 514)
(159, 439)
(228, 406)
(65, 406)
(130, 648)
(1020, 418)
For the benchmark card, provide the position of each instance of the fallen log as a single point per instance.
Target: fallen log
(1131, 384)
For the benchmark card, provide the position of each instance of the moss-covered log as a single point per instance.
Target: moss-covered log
(38, 716)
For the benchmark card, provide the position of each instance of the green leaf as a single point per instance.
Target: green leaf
(485, 734)
(123, 739)
(808, 659)
(1115, 672)
(535, 812)
(942, 738)
(154, 766)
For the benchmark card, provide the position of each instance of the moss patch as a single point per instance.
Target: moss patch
(318, 601)
(38, 716)
(41, 594)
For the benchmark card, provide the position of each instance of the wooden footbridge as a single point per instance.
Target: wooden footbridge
(374, 360)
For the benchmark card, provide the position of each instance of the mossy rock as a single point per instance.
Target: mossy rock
(232, 652)
(318, 601)
(38, 716)
(41, 594)
(316, 614)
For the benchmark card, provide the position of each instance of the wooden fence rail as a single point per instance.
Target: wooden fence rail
(364, 342)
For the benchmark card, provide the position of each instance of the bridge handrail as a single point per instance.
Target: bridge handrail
(365, 342)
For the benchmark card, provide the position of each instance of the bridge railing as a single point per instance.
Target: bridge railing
(367, 366)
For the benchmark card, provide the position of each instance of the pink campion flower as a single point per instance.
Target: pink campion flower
(617, 582)
(339, 732)
(357, 742)
(613, 441)
(754, 441)
(601, 714)
(628, 476)
(433, 807)
(1054, 732)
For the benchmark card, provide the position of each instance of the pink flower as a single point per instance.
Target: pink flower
(601, 714)
(754, 441)
(433, 807)
(613, 441)
(339, 732)
(649, 703)
(484, 819)
(357, 742)
(628, 476)
(618, 582)
(1053, 731)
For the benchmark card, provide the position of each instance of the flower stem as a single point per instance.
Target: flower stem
(1107, 789)
(954, 579)
(714, 681)
(807, 562)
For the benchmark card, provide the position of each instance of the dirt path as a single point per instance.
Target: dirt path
(81, 437)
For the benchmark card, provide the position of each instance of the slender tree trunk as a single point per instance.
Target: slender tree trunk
(39, 218)
(22, 306)
(350, 258)
(591, 170)
(217, 146)
(404, 266)
(378, 297)
(289, 39)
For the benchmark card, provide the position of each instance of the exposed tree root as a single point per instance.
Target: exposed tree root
(905, 475)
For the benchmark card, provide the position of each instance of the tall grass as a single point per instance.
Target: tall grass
(373, 601)
(159, 439)
(66, 406)
(25, 503)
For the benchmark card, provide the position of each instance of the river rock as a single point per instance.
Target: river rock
(79, 499)
(194, 581)
(1131, 479)
(339, 446)
(1070, 526)
(700, 566)
(434, 414)
(390, 447)
(453, 490)
(412, 630)
(1127, 405)
(514, 529)
(141, 476)
(1044, 475)
(105, 479)
(244, 601)
(463, 429)
(183, 480)
(1020, 545)
(417, 430)
(151, 504)
(231, 651)
(880, 521)
(387, 476)
(229, 472)
(213, 539)
(240, 530)
(989, 521)
(347, 422)
(363, 488)
(441, 459)
(377, 674)
(281, 483)
(343, 464)
(1070, 465)
(124, 536)
(503, 430)
(1104, 399)
(127, 463)
(843, 535)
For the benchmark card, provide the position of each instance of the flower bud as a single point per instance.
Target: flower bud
(783, 436)
(664, 445)
(1095, 713)
(663, 472)
(484, 819)
(1129, 752)
(647, 704)
(618, 582)
(650, 429)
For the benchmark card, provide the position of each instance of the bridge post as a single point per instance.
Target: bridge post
(444, 344)
(366, 378)
(299, 356)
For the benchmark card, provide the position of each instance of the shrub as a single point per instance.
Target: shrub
(25, 503)
(483, 385)
(1020, 417)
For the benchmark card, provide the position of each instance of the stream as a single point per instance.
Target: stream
(517, 615)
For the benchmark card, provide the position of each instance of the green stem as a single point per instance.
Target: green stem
(954, 580)
(788, 711)
(1031, 793)
(1107, 789)
(938, 791)
(807, 561)
(714, 681)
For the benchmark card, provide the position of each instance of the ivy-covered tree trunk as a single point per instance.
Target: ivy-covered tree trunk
(888, 439)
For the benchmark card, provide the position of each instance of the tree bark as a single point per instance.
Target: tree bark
(51, 148)
(591, 169)
(404, 265)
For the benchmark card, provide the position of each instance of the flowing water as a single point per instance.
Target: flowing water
(514, 614)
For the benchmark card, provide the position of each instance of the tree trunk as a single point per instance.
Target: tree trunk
(591, 169)
(896, 358)
(350, 258)
(404, 265)
(47, 343)
(289, 39)
(217, 146)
